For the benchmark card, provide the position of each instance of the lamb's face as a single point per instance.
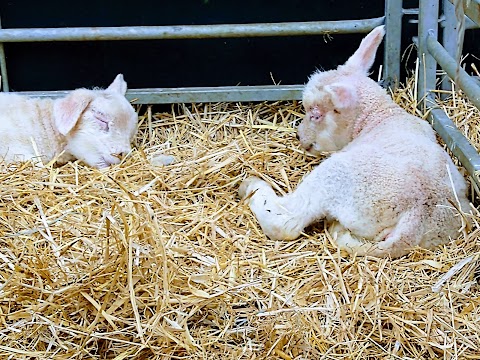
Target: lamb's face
(331, 99)
(104, 132)
(330, 110)
(98, 125)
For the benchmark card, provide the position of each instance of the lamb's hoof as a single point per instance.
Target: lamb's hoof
(246, 187)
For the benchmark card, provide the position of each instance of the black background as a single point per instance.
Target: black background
(183, 63)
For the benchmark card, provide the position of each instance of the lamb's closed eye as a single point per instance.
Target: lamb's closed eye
(102, 120)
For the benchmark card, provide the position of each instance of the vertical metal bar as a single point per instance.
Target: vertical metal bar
(393, 42)
(427, 24)
(3, 66)
(449, 37)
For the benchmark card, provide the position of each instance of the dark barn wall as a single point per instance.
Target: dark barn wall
(178, 63)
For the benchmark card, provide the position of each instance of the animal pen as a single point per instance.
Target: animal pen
(147, 261)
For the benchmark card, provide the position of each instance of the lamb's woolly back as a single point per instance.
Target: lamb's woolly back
(25, 128)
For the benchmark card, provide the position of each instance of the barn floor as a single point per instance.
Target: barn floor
(164, 262)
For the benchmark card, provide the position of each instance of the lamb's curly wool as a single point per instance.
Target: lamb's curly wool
(389, 187)
(95, 126)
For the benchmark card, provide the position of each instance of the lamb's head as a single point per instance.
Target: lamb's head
(98, 125)
(331, 99)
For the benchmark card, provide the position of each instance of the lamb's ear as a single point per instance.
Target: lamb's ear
(343, 95)
(362, 60)
(118, 85)
(67, 111)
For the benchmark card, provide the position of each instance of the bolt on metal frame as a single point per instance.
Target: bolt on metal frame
(392, 21)
(431, 53)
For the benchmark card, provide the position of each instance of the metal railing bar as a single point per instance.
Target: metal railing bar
(198, 94)
(411, 11)
(189, 31)
(456, 142)
(449, 65)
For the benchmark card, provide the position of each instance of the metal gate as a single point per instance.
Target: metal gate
(392, 20)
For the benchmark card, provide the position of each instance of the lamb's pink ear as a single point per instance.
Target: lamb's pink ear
(362, 60)
(118, 85)
(343, 95)
(67, 111)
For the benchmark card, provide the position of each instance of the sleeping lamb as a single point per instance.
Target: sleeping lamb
(390, 186)
(96, 126)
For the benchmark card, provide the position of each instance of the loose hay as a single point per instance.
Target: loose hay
(157, 262)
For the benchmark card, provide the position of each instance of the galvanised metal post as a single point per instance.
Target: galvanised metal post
(392, 42)
(427, 23)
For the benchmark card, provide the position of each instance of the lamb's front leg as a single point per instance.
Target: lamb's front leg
(281, 218)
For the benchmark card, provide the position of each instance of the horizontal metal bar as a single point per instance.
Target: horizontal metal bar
(199, 94)
(448, 63)
(413, 11)
(457, 143)
(189, 31)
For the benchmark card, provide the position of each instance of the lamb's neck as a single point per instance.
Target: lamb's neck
(373, 111)
(56, 142)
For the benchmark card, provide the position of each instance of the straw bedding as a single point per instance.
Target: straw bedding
(144, 261)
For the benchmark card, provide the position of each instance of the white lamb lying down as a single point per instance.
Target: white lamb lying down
(96, 126)
(390, 186)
